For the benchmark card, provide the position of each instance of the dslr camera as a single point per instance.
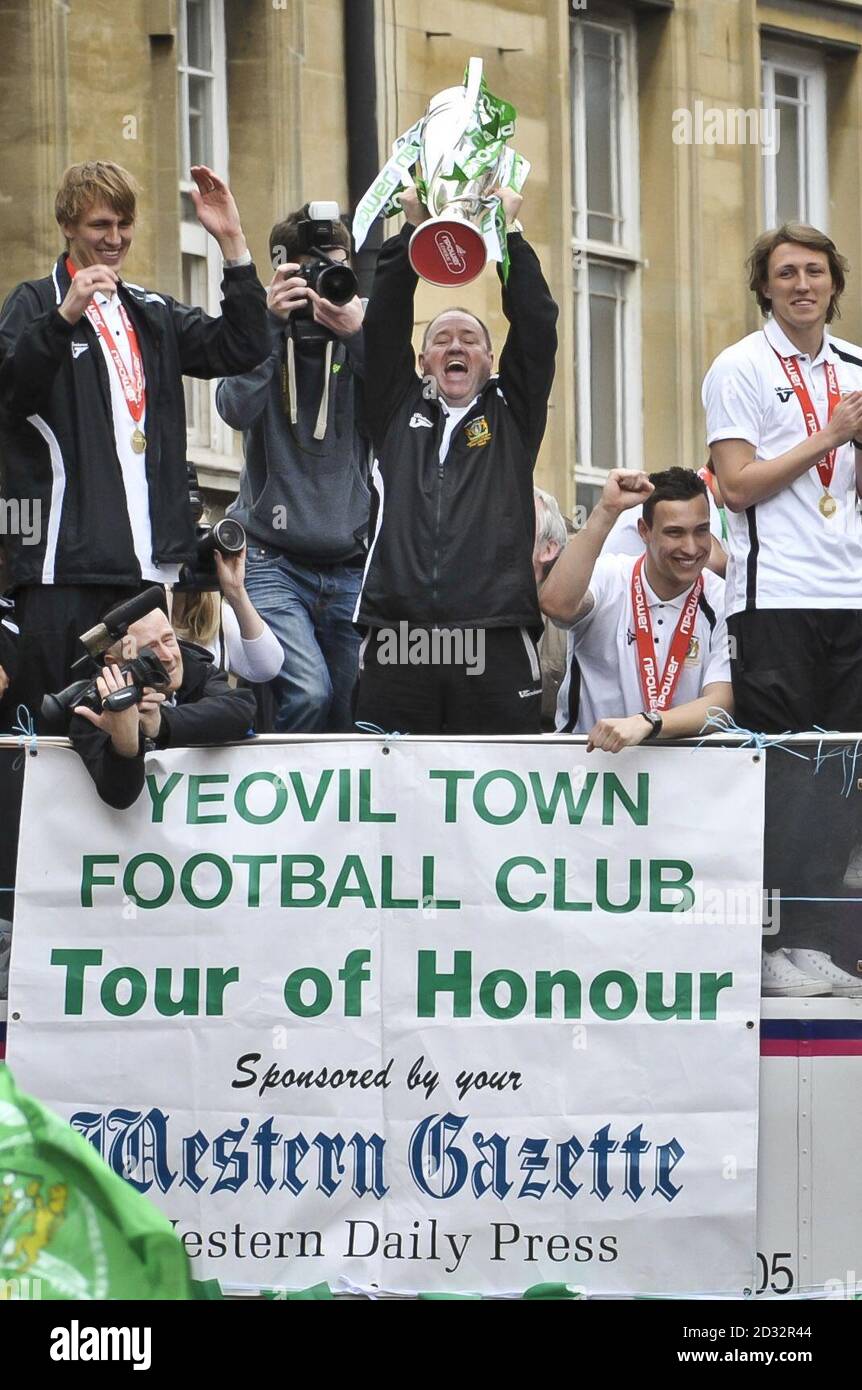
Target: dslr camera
(332, 280)
(144, 669)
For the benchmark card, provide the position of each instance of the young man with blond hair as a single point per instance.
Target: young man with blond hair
(92, 416)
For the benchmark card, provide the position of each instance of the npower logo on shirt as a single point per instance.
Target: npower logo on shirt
(77, 1343)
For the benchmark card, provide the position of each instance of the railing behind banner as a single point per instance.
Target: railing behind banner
(809, 1185)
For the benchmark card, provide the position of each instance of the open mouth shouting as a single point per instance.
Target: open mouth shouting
(455, 369)
(457, 353)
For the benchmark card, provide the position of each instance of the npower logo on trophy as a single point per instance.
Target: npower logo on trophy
(453, 254)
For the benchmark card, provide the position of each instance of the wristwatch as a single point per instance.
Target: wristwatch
(655, 722)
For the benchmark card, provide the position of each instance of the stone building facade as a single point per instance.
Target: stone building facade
(650, 124)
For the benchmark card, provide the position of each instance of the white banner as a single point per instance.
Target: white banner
(409, 1016)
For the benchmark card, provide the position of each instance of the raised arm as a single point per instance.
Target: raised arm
(390, 363)
(252, 648)
(236, 340)
(528, 358)
(565, 595)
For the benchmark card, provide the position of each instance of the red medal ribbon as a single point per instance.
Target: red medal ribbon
(133, 386)
(826, 465)
(709, 478)
(706, 477)
(658, 691)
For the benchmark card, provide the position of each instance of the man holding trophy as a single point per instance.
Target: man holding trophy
(453, 515)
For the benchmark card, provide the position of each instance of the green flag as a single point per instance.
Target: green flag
(69, 1227)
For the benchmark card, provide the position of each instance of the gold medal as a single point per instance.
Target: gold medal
(139, 442)
(827, 504)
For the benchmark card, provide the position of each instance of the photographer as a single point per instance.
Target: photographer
(195, 705)
(303, 495)
(228, 624)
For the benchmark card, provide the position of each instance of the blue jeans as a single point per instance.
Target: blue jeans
(310, 610)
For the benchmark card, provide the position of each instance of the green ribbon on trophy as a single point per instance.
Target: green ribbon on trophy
(455, 154)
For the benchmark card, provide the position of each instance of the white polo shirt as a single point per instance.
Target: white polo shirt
(133, 466)
(603, 644)
(625, 538)
(783, 553)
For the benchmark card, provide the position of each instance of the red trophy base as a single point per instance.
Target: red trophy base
(446, 251)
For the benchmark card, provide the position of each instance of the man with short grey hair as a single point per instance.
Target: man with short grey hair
(551, 533)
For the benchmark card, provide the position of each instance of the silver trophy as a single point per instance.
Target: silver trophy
(457, 153)
(450, 248)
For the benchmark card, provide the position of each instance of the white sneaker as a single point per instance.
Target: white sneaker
(782, 979)
(853, 874)
(819, 966)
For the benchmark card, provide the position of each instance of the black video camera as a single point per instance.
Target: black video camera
(145, 669)
(228, 537)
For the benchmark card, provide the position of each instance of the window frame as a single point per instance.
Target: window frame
(624, 256)
(806, 64)
(208, 435)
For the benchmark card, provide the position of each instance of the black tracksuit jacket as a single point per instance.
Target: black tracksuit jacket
(452, 543)
(56, 426)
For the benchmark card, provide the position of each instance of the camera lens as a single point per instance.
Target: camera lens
(229, 536)
(337, 283)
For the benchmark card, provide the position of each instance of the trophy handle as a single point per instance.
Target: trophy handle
(474, 82)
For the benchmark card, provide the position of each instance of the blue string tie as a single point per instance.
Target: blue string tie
(719, 721)
(26, 731)
(849, 758)
(365, 728)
